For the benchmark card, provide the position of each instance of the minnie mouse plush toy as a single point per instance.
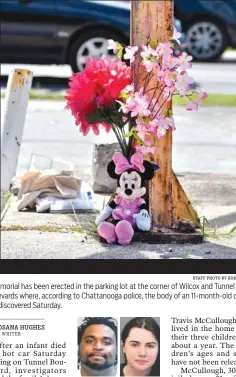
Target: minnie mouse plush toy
(128, 209)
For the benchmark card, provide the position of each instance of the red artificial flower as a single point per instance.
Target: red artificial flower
(98, 85)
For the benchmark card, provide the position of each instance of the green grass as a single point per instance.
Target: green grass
(6, 195)
(51, 97)
(44, 228)
(211, 100)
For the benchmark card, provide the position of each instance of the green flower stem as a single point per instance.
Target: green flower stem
(124, 142)
(119, 135)
(130, 144)
(190, 97)
(123, 137)
(119, 140)
(187, 95)
(115, 130)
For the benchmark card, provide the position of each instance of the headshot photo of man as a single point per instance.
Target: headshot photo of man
(97, 346)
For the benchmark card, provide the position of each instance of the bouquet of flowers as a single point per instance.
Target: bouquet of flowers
(103, 96)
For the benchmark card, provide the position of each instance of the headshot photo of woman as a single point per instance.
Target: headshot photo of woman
(140, 345)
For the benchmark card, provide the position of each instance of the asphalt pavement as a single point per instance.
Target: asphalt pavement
(204, 141)
(204, 158)
(216, 77)
(213, 195)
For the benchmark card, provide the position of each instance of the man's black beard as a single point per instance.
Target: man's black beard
(97, 366)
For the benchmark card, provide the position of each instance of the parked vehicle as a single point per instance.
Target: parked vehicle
(61, 31)
(209, 26)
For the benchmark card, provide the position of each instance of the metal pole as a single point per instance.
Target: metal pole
(17, 96)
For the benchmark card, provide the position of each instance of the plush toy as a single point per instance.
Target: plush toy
(128, 209)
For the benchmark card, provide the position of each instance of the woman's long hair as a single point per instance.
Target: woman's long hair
(149, 324)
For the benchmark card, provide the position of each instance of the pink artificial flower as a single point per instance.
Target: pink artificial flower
(111, 45)
(144, 137)
(145, 150)
(183, 81)
(130, 53)
(160, 132)
(181, 92)
(161, 74)
(201, 95)
(149, 56)
(137, 104)
(184, 61)
(147, 52)
(96, 86)
(192, 106)
(170, 122)
(129, 89)
(83, 103)
(150, 65)
(167, 92)
(168, 78)
(108, 86)
(141, 125)
(169, 62)
(165, 49)
(153, 125)
(157, 126)
(166, 123)
(155, 106)
(204, 95)
(176, 35)
(162, 125)
(143, 131)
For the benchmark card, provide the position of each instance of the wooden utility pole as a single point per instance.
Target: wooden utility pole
(168, 203)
